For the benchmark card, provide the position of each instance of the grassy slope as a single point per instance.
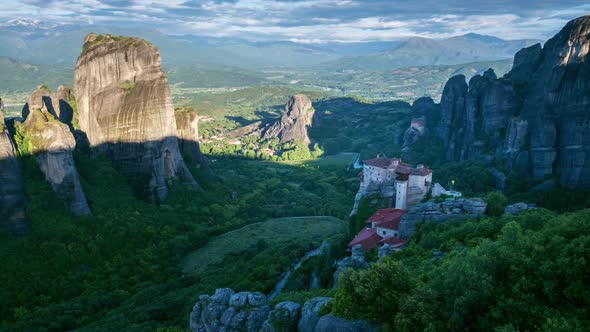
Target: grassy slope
(303, 230)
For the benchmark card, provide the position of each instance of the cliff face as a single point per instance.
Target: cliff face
(12, 192)
(293, 124)
(52, 143)
(537, 116)
(125, 109)
(187, 123)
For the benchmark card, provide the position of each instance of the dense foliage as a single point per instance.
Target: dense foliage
(515, 273)
(119, 269)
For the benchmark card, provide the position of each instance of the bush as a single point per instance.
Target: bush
(496, 203)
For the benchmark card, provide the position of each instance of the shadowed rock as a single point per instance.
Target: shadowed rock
(125, 109)
(537, 116)
(187, 123)
(52, 143)
(12, 192)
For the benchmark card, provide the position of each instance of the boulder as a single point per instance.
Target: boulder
(125, 108)
(228, 311)
(239, 300)
(517, 208)
(284, 317)
(256, 299)
(331, 323)
(222, 295)
(310, 313)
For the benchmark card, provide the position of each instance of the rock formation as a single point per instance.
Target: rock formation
(537, 117)
(56, 104)
(249, 312)
(413, 133)
(187, 124)
(229, 311)
(517, 208)
(12, 192)
(449, 209)
(52, 143)
(125, 109)
(299, 114)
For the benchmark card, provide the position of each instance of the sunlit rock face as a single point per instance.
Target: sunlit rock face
(51, 143)
(125, 109)
(56, 104)
(537, 116)
(293, 124)
(12, 192)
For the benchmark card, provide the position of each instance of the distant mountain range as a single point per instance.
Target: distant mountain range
(424, 52)
(51, 43)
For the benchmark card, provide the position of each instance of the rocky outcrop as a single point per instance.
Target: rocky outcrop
(413, 133)
(125, 108)
(187, 124)
(299, 115)
(449, 209)
(517, 208)
(12, 192)
(452, 105)
(310, 313)
(536, 117)
(52, 143)
(228, 311)
(283, 318)
(57, 104)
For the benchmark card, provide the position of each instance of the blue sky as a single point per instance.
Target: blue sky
(312, 21)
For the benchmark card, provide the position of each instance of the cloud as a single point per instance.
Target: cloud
(313, 21)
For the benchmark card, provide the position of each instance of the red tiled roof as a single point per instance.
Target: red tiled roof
(367, 238)
(401, 166)
(380, 162)
(393, 241)
(387, 218)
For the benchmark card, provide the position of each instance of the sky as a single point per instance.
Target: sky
(312, 21)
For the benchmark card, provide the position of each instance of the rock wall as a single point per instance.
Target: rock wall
(187, 124)
(537, 116)
(293, 123)
(12, 192)
(449, 209)
(125, 109)
(227, 311)
(52, 143)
